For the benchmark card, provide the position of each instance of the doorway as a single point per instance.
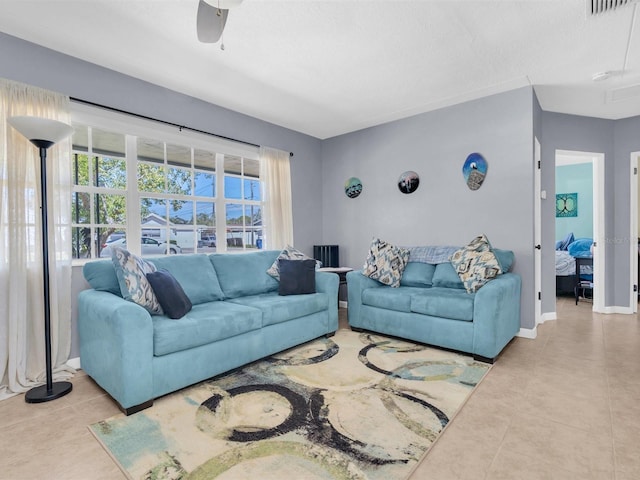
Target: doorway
(592, 208)
(634, 233)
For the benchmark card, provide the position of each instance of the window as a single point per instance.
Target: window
(135, 179)
(98, 200)
(243, 202)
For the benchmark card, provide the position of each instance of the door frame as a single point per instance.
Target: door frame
(633, 232)
(537, 230)
(597, 161)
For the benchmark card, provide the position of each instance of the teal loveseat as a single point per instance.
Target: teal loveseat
(431, 306)
(237, 317)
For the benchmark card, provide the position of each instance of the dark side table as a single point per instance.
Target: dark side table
(583, 286)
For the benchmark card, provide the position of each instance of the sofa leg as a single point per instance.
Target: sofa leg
(330, 334)
(480, 358)
(357, 330)
(136, 408)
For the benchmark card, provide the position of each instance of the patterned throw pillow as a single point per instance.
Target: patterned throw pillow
(288, 253)
(131, 271)
(476, 264)
(385, 262)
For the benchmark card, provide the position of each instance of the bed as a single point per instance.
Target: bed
(567, 251)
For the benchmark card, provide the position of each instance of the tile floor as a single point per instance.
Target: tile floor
(563, 406)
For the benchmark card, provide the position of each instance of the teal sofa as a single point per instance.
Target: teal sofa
(431, 306)
(237, 317)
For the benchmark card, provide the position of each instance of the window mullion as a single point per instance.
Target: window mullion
(221, 206)
(134, 230)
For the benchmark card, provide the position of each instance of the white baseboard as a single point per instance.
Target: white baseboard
(531, 333)
(74, 363)
(620, 310)
(548, 316)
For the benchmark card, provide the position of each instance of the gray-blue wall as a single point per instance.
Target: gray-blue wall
(435, 144)
(29, 63)
(443, 211)
(616, 139)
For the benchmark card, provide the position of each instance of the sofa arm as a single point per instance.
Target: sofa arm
(496, 317)
(356, 284)
(116, 346)
(329, 283)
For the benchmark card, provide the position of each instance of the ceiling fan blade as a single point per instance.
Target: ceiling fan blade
(209, 24)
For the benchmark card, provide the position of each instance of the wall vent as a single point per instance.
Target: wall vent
(602, 6)
(623, 93)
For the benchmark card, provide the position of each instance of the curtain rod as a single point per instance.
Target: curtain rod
(180, 127)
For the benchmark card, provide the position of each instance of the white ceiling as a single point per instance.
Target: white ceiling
(330, 67)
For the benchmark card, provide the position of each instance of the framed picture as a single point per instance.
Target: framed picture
(566, 205)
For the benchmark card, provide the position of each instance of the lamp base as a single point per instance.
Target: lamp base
(42, 394)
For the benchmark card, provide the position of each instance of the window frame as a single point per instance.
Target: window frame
(132, 128)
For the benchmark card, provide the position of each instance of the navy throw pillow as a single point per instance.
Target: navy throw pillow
(171, 296)
(297, 277)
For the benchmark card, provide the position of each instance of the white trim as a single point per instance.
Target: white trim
(618, 309)
(633, 231)
(74, 363)
(567, 157)
(548, 316)
(530, 333)
(537, 230)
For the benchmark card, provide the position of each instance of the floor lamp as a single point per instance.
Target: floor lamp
(44, 133)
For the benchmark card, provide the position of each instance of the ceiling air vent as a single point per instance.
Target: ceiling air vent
(602, 6)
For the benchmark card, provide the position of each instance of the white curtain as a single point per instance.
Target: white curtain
(275, 174)
(22, 345)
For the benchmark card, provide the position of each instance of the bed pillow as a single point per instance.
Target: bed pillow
(131, 271)
(565, 242)
(297, 277)
(170, 294)
(476, 264)
(581, 247)
(385, 262)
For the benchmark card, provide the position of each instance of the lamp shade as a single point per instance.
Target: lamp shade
(44, 129)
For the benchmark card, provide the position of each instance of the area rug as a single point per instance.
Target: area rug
(353, 406)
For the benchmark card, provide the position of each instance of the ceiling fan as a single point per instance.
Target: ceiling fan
(212, 17)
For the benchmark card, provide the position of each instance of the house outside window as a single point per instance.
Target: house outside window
(173, 191)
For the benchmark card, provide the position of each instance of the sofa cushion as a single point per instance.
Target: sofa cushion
(101, 275)
(205, 323)
(288, 253)
(131, 271)
(277, 309)
(505, 258)
(297, 277)
(385, 262)
(452, 303)
(398, 299)
(418, 274)
(194, 273)
(170, 294)
(445, 276)
(476, 264)
(242, 274)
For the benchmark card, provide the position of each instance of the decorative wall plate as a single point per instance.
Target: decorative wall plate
(474, 170)
(408, 182)
(353, 187)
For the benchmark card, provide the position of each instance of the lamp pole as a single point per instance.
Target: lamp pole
(43, 133)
